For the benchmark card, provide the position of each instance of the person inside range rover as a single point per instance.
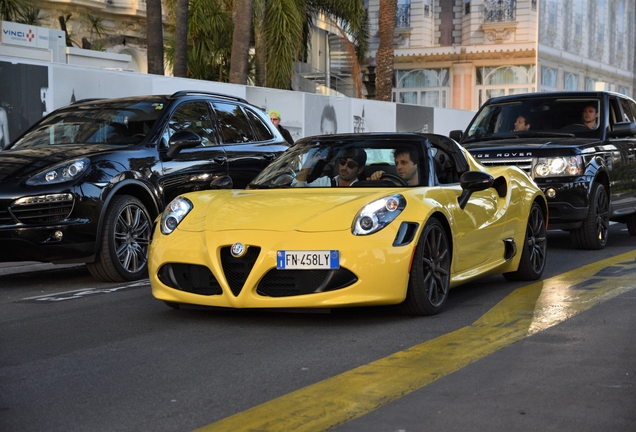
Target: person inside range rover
(580, 150)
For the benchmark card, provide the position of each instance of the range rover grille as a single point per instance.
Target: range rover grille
(523, 163)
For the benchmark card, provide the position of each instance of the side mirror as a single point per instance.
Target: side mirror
(222, 182)
(180, 140)
(623, 129)
(456, 135)
(473, 181)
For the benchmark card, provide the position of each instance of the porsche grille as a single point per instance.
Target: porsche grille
(38, 210)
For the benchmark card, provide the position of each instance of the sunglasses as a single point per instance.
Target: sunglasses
(350, 164)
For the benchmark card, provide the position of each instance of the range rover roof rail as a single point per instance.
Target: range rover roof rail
(206, 93)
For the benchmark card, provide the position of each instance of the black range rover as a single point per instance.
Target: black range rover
(85, 183)
(579, 147)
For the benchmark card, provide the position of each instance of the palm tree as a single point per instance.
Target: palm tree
(10, 9)
(154, 33)
(181, 39)
(241, 41)
(384, 56)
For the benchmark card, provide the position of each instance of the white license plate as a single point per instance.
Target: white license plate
(307, 260)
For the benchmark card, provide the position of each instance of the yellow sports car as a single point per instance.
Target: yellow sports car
(352, 220)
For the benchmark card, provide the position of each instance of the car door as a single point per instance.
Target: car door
(623, 162)
(248, 142)
(196, 168)
(478, 228)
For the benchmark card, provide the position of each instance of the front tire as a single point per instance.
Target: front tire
(535, 248)
(123, 253)
(429, 281)
(593, 234)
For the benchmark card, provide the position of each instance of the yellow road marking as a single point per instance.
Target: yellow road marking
(525, 311)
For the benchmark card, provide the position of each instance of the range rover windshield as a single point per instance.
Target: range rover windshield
(117, 123)
(554, 117)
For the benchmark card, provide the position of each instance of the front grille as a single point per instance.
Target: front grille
(42, 209)
(287, 283)
(237, 269)
(5, 217)
(523, 163)
(195, 279)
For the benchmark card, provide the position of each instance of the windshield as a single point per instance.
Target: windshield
(573, 117)
(314, 163)
(114, 122)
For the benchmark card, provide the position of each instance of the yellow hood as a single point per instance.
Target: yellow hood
(307, 209)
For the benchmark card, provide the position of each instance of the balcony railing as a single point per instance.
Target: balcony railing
(403, 16)
(499, 11)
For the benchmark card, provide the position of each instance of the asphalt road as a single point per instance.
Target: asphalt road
(80, 355)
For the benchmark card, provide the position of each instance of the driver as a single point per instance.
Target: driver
(590, 116)
(404, 165)
(350, 166)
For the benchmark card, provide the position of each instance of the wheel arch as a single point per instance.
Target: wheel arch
(442, 219)
(133, 188)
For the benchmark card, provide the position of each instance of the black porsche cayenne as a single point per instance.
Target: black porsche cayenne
(85, 183)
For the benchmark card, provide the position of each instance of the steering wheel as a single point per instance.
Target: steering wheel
(394, 178)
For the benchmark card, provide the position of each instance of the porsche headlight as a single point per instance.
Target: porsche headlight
(378, 214)
(63, 172)
(174, 213)
(559, 166)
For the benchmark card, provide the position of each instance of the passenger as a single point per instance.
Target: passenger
(590, 116)
(522, 123)
(405, 166)
(351, 165)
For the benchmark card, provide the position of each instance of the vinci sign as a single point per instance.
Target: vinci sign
(25, 35)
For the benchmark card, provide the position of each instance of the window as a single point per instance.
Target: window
(590, 84)
(427, 87)
(504, 80)
(403, 14)
(600, 22)
(571, 81)
(263, 133)
(548, 78)
(578, 18)
(192, 117)
(552, 13)
(235, 128)
(467, 7)
(620, 30)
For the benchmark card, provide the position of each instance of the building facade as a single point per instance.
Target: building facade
(459, 53)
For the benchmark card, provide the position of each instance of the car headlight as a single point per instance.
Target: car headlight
(174, 213)
(378, 214)
(60, 173)
(559, 166)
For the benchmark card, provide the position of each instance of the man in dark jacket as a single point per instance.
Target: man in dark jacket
(274, 116)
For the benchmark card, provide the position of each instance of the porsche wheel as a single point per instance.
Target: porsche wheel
(123, 254)
(593, 234)
(535, 247)
(429, 281)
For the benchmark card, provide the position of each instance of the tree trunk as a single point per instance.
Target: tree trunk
(181, 40)
(384, 56)
(241, 42)
(154, 31)
(259, 43)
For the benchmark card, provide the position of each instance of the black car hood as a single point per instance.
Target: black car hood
(527, 144)
(24, 162)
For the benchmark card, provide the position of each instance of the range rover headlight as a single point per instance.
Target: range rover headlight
(60, 173)
(174, 213)
(378, 214)
(559, 166)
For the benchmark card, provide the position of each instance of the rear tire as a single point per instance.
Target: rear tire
(429, 281)
(593, 234)
(123, 253)
(535, 248)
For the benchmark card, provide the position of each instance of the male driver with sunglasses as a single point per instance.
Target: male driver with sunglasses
(350, 166)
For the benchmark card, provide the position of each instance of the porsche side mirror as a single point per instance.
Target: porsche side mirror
(180, 140)
(473, 181)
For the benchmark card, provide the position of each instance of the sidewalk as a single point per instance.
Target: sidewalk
(8, 268)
